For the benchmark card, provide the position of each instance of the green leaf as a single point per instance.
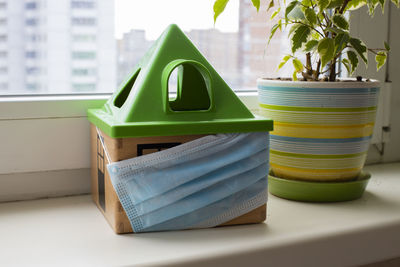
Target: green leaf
(356, 4)
(296, 14)
(326, 50)
(323, 4)
(335, 30)
(335, 3)
(306, 3)
(311, 45)
(396, 2)
(294, 76)
(298, 66)
(346, 63)
(276, 12)
(219, 7)
(293, 29)
(380, 59)
(310, 15)
(382, 3)
(315, 35)
(387, 47)
(371, 6)
(273, 30)
(360, 48)
(283, 62)
(271, 5)
(341, 41)
(299, 37)
(256, 4)
(290, 7)
(353, 60)
(340, 21)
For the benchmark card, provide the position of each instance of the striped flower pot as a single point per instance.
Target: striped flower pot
(321, 129)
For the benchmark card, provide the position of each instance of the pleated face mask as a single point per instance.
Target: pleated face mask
(199, 184)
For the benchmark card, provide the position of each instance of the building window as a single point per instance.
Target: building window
(32, 70)
(31, 54)
(3, 22)
(31, 5)
(82, 4)
(84, 72)
(31, 22)
(3, 5)
(36, 38)
(87, 38)
(3, 38)
(32, 86)
(3, 54)
(84, 87)
(84, 21)
(3, 70)
(83, 55)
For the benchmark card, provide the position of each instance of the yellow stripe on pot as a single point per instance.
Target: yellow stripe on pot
(322, 131)
(314, 174)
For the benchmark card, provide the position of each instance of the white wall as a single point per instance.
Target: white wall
(374, 32)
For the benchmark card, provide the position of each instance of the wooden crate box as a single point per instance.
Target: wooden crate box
(103, 193)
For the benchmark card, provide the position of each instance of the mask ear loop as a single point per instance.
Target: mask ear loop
(103, 145)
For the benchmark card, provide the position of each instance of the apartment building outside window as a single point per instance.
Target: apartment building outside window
(74, 40)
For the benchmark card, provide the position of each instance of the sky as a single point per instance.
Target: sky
(154, 16)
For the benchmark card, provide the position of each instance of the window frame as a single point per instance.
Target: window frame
(53, 123)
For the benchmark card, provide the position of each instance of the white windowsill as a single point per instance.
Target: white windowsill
(72, 232)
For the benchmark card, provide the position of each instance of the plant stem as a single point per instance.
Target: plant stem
(332, 70)
(308, 64)
(317, 71)
(341, 10)
(326, 20)
(376, 50)
(293, 21)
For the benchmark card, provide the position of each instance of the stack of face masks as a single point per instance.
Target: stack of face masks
(202, 183)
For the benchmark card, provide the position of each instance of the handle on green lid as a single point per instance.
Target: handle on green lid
(194, 90)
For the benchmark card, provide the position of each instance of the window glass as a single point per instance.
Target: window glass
(83, 54)
(31, 22)
(84, 21)
(84, 72)
(87, 46)
(82, 4)
(30, 5)
(83, 38)
(84, 87)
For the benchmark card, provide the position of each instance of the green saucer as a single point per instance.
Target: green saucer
(318, 191)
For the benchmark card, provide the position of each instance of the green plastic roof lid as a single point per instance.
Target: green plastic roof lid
(204, 104)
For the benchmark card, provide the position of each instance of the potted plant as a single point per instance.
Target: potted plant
(322, 124)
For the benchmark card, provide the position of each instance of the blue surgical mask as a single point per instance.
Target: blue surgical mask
(202, 183)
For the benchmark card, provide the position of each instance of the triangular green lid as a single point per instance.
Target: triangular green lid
(204, 104)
